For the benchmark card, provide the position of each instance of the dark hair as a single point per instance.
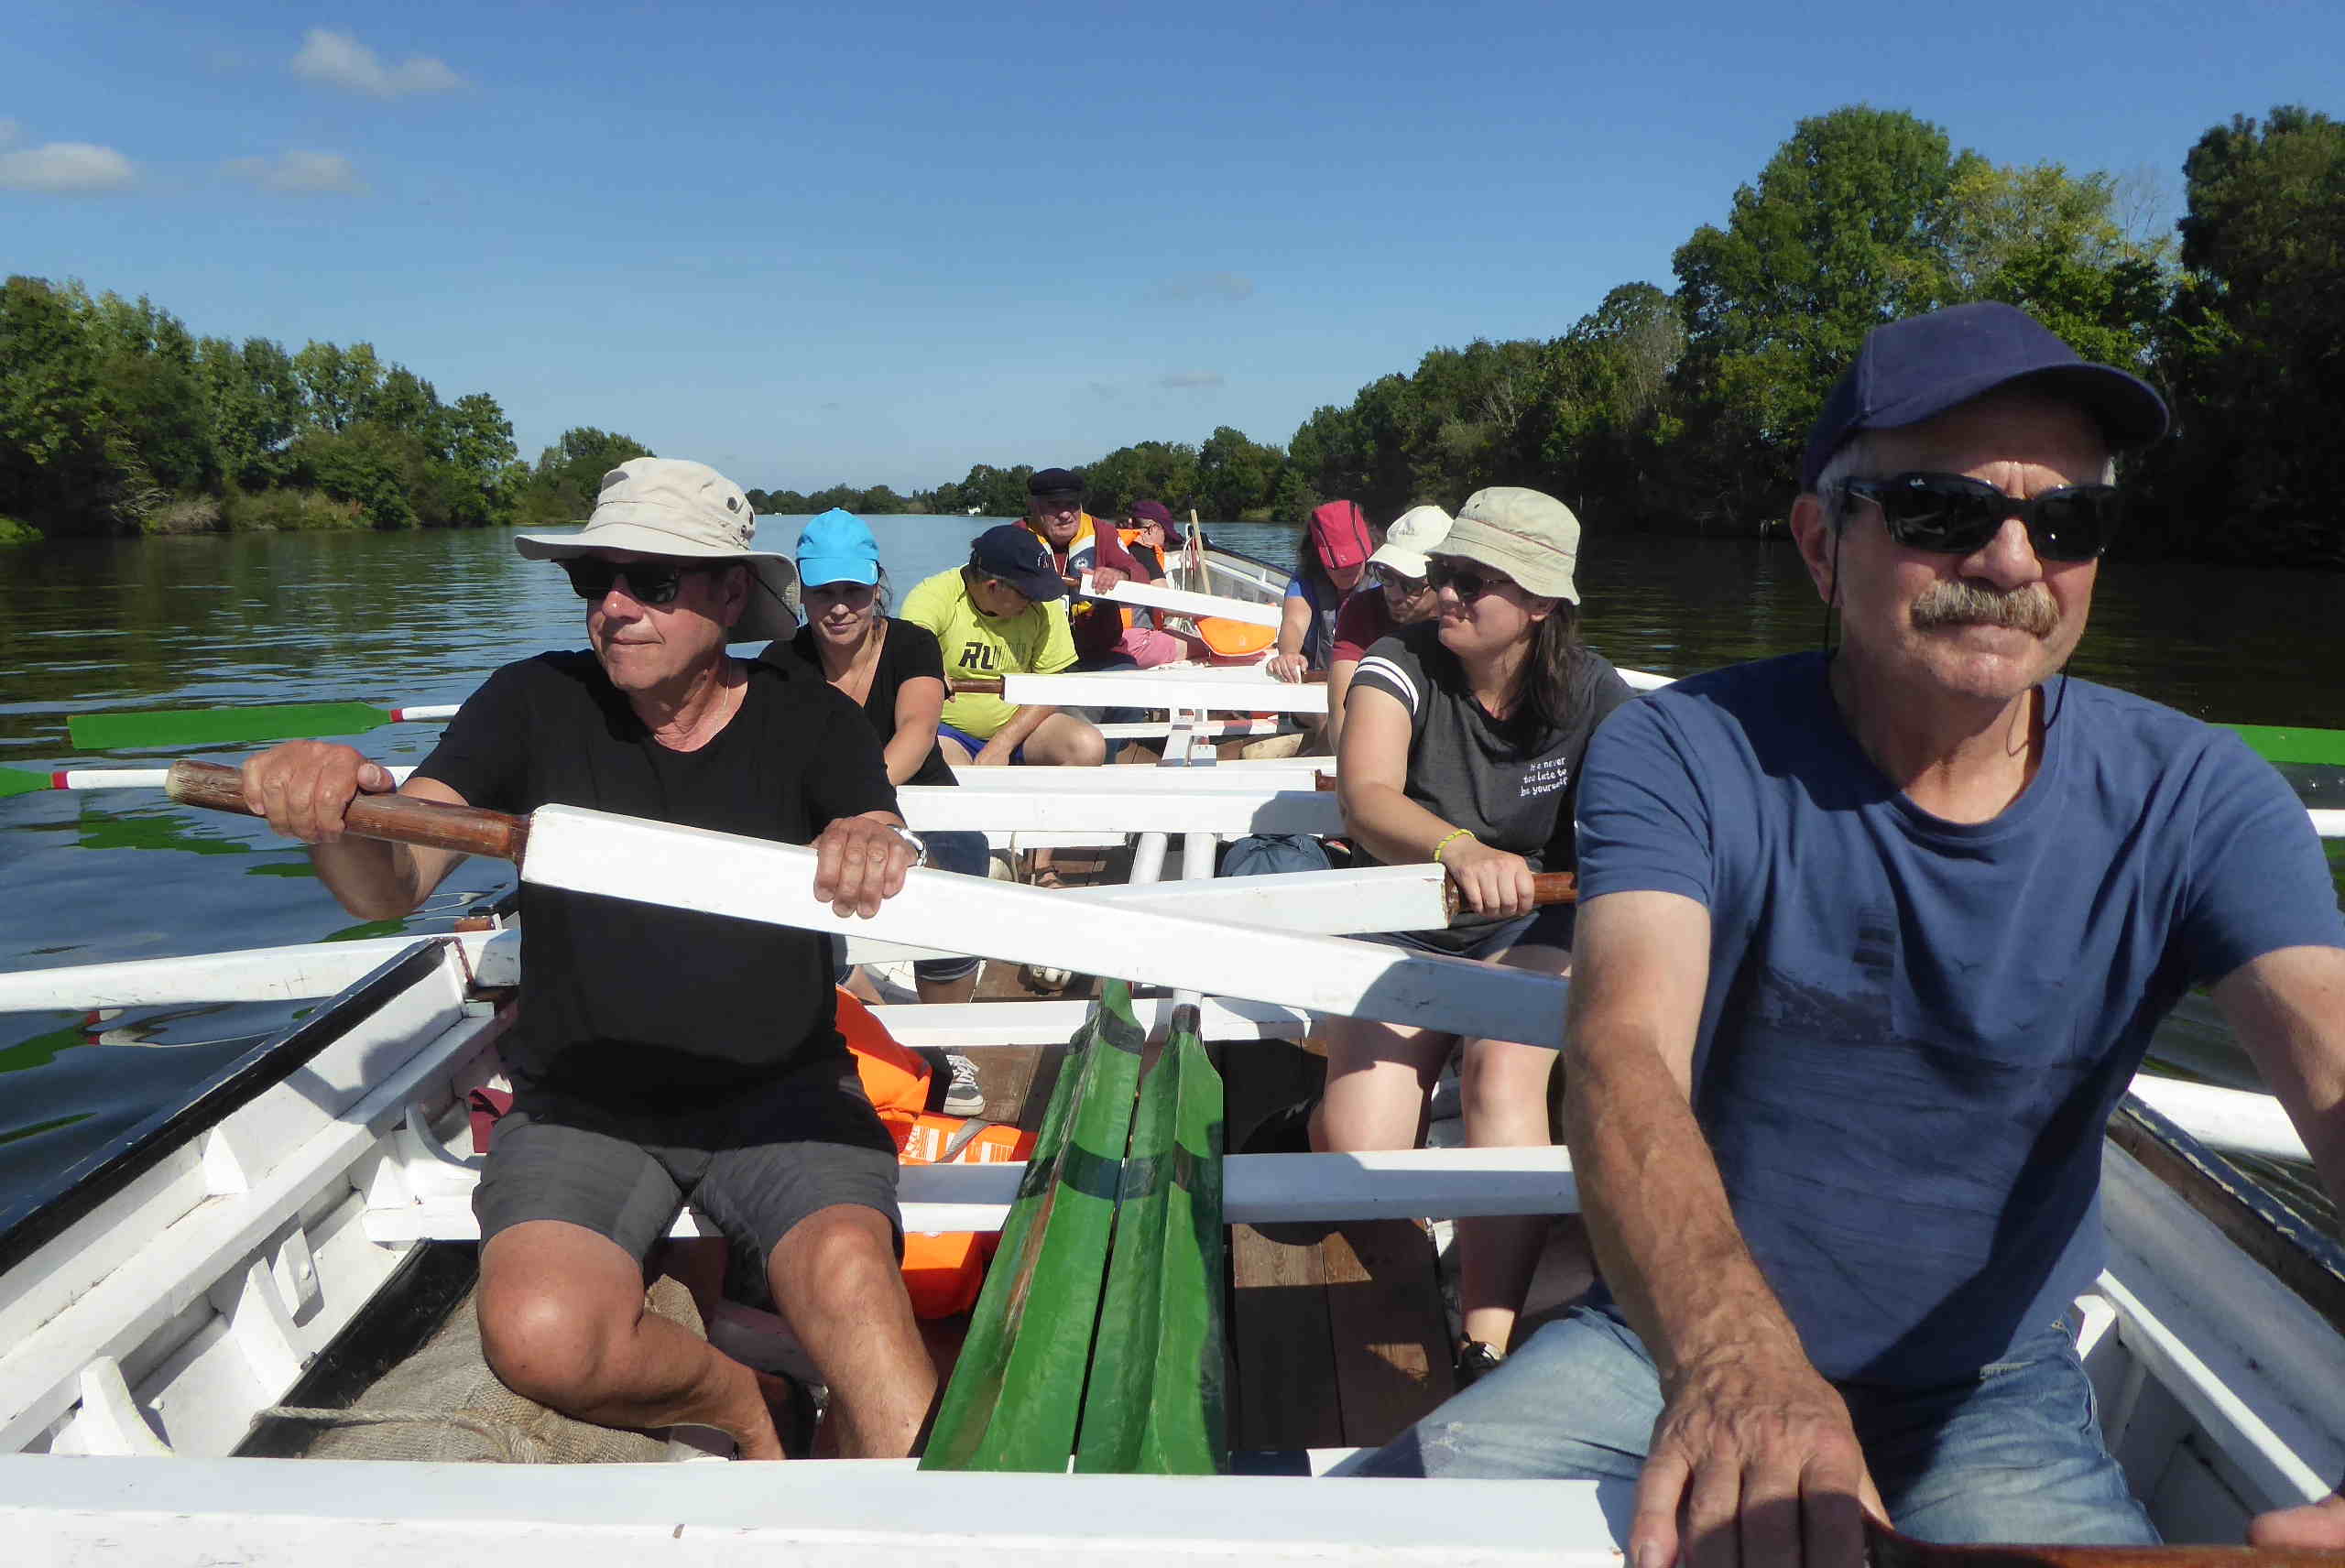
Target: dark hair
(1544, 685)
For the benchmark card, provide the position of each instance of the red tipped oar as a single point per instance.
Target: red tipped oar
(155, 730)
(26, 781)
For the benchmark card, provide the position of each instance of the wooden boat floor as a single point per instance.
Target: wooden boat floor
(1337, 1336)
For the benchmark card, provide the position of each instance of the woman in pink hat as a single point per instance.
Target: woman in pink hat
(1330, 564)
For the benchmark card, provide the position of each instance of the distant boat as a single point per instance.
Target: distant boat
(975, 510)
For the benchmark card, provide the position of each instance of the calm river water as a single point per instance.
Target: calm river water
(420, 617)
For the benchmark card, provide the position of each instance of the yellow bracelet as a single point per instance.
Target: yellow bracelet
(1446, 842)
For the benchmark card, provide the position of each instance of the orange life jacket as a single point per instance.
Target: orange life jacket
(943, 1270)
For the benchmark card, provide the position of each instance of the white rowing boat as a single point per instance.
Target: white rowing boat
(195, 1280)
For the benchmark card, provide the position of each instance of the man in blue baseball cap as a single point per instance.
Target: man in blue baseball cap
(1870, 942)
(1004, 613)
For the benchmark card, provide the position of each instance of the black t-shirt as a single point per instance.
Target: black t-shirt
(1514, 785)
(638, 1005)
(907, 651)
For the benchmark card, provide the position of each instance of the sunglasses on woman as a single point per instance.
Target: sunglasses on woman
(1952, 513)
(1467, 582)
(653, 583)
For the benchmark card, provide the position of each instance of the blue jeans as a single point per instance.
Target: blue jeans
(2012, 1456)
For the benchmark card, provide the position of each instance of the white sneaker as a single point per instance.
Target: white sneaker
(963, 1095)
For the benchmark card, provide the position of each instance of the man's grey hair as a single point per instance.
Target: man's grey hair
(1857, 460)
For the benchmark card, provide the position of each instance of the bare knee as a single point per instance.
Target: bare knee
(1504, 1086)
(834, 1259)
(543, 1344)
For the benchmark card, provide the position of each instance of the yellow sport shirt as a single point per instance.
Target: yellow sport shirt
(1035, 643)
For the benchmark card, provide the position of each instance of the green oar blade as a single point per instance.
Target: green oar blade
(1155, 1404)
(2291, 743)
(157, 730)
(1017, 1390)
(23, 781)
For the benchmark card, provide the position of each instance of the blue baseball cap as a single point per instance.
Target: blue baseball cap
(1916, 369)
(837, 548)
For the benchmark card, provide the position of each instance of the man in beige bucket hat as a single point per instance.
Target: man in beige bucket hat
(658, 1055)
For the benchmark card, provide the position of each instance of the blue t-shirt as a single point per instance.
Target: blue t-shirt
(1325, 599)
(1916, 1029)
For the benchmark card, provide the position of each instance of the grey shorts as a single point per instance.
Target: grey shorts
(756, 1162)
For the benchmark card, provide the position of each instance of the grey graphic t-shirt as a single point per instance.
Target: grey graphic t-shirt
(1512, 785)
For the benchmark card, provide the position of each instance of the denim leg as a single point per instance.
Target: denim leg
(1578, 1402)
(2015, 1456)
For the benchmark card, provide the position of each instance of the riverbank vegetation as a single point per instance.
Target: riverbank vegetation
(1660, 410)
(1685, 410)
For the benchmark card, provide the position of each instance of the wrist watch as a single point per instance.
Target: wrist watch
(920, 850)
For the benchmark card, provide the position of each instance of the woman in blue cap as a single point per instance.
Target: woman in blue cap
(893, 670)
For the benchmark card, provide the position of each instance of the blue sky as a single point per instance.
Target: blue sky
(880, 242)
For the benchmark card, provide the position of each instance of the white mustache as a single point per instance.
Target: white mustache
(2028, 609)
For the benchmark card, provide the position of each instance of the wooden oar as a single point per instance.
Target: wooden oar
(155, 730)
(1014, 1398)
(749, 879)
(1887, 1549)
(24, 781)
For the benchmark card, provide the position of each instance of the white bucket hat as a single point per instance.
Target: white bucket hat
(1412, 534)
(684, 511)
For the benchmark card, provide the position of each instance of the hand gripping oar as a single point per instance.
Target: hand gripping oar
(399, 819)
(155, 730)
(749, 879)
(1887, 1549)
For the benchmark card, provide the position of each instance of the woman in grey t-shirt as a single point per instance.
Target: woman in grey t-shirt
(1462, 740)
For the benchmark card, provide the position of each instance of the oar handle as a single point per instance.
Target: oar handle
(401, 819)
(1887, 1549)
(1547, 888)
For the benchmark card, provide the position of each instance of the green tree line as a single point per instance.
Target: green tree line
(116, 418)
(1683, 411)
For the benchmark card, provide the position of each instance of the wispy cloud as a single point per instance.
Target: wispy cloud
(59, 167)
(1104, 391)
(1191, 380)
(338, 60)
(1228, 286)
(300, 174)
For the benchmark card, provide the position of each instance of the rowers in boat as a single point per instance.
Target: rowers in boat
(1870, 943)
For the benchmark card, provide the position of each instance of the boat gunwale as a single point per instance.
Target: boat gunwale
(112, 1169)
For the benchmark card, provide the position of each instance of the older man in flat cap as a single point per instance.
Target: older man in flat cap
(662, 1055)
(1870, 942)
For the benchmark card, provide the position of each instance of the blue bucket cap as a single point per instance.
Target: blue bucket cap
(837, 548)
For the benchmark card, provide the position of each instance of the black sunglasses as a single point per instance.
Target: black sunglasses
(651, 582)
(1952, 513)
(1392, 577)
(1464, 580)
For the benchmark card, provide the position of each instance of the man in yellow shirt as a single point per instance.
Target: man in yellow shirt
(1004, 613)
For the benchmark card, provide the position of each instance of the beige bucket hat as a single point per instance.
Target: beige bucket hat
(1532, 538)
(1413, 535)
(686, 511)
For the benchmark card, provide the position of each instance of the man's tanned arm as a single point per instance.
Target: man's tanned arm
(1754, 1451)
(2289, 1008)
